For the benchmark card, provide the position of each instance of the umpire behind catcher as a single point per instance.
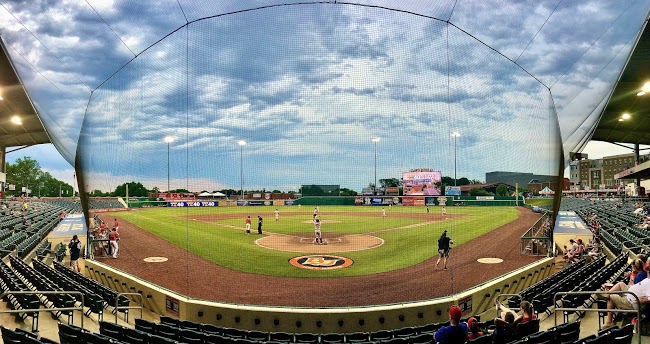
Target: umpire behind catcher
(444, 245)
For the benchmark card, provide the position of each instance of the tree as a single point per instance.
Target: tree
(135, 190)
(24, 173)
(479, 192)
(502, 190)
(390, 182)
(475, 181)
(348, 192)
(463, 181)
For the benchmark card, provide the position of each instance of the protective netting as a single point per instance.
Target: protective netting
(307, 86)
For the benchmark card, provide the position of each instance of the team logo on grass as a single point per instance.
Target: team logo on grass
(320, 262)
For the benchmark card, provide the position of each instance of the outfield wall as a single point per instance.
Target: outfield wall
(318, 320)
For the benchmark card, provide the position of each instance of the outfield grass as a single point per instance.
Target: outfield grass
(231, 248)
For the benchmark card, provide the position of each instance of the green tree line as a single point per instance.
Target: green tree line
(26, 172)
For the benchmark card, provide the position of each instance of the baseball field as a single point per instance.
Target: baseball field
(404, 237)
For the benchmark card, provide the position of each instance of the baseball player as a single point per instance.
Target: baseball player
(317, 233)
(248, 225)
(444, 211)
(277, 215)
(383, 212)
(444, 245)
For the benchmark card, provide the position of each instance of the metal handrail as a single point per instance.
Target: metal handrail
(39, 310)
(637, 311)
(118, 308)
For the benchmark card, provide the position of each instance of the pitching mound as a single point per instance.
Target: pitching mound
(331, 244)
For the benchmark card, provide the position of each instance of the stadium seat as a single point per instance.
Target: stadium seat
(11, 337)
(211, 329)
(380, 335)
(95, 338)
(257, 336)
(526, 329)
(216, 339)
(305, 338)
(145, 326)
(69, 334)
(422, 338)
(134, 336)
(332, 338)
(281, 337)
(356, 337)
(190, 325)
(190, 336)
(110, 329)
(166, 331)
(544, 337)
(169, 321)
(404, 332)
(481, 340)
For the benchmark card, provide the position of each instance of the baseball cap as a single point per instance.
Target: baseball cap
(455, 313)
(470, 321)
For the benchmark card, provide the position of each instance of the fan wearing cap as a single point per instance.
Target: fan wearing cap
(474, 330)
(456, 332)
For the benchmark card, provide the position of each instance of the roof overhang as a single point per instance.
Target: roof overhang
(624, 99)
(16, 102)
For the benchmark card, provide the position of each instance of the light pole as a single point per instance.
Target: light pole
(455, 134)
(375, 140)
(168, 140)
(241, 144)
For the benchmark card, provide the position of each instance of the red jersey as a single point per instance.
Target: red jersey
(248, 220)
(112, 236)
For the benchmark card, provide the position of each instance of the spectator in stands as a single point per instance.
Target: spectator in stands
(626, 301)
(474, 330)
(3, 208)
(594, 248)
(567, 252)
(114, 238)
(504, 328)
(24, 221)
(456, 332)
(75, 250)
(527, 313)
(637, 267)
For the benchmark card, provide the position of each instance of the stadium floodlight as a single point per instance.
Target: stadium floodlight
(640, 94)
(16, 120)
(620, 120)
(455, 135)
(168, 140)
(375, 140)
(241, 144)
(1, 99)
(626, 116)
(646, 87)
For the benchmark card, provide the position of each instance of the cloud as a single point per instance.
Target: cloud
(308, 85)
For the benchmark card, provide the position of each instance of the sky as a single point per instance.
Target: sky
(308, 86)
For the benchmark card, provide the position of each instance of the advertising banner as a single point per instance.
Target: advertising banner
(418, 202)
(278, 202)
(421, 183)
(452, 191)
(288, 202)
(377, 201)
(392, 191)
(358, 201)
(485, 198)
(407, 201)
(228, 203)
(256, 202)
(192, 204)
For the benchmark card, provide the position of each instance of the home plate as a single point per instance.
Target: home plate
(490, 260)
(155, 259)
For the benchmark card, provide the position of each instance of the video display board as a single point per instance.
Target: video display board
(421, 183)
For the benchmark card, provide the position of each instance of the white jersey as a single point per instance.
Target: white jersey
(277, 214)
